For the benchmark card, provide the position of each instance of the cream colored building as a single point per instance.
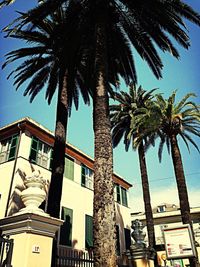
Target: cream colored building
(26, 146)
(168, 216)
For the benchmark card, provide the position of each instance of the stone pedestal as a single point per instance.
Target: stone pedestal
(140, 257)
(33, 235)
(139, 254)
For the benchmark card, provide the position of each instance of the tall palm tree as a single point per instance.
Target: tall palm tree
(118, 59)
(178, 120)
(139, 23)
(181, 119)
(115, 23)
(54, 61)
(127, 123)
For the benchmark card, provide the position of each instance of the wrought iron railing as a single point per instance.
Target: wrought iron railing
(74, 258)
(6, 250)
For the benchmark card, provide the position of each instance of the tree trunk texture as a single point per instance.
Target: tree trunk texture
(58, 164)
(104, 207)
(146, 197)
(182, 188)
(180, 179)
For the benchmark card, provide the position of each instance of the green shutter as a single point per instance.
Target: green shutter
(88, 231)
(124, 197)
(66, 228)
(34, 149)
(13, 146)
(51, 160)
(118, 193)
(69, 168)
(83, 180)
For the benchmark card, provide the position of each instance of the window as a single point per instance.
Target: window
(66, 228)
(161, 208)
(8, 148)
(88, 231)
(86, 177)
(69, 168)
(117, 193)
(127, 235)
(124, 196)
(40, 153)
(120, 195)
(117, 240)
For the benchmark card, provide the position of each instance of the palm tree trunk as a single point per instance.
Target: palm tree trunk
(180, 179)
(146, 197)
(103, 206)
(182, 188)
(55, 190)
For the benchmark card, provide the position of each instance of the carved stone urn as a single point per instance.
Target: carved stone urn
(34, 194)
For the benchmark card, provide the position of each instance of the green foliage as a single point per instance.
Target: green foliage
(130, 119)
(144, 25)
(6, 3)
(47, 58)
(177, 119)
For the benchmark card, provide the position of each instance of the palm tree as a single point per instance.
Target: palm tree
(139, 23)
(182, 120)
(127, 119)
(6, 3)
(52, 61)
(178, 120)
(86, 75)
(114, 24)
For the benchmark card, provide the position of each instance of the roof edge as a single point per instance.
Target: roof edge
(50, 133)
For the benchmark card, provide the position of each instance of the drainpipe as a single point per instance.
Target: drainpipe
(14, 169)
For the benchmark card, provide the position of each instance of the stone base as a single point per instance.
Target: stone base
(32, 211)
(140, 256)
(33, 235)
(30, 223)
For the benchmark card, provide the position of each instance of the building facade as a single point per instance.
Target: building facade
(26, 146)
(168, 216)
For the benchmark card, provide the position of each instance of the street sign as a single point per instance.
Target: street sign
(179, 242)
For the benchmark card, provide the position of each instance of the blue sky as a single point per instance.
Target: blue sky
(182, 75)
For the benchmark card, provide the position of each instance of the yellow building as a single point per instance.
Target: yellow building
(26, 146)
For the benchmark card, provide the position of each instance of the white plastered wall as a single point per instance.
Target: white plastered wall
(74, 196)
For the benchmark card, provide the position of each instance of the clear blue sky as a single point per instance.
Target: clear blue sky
(182, 75)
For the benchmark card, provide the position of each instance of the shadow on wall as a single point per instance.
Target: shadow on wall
(15, 202)
(121, 243)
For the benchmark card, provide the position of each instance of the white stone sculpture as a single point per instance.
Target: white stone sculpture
(34, 194)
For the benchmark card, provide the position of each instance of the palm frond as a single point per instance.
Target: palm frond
(160, 149)
(183, 102)
(188, 138)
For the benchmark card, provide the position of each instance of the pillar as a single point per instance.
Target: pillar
(33, 237)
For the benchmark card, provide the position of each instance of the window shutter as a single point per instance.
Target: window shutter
(117, 240)
(83, 180)
(13, 146)
(66, 228)
(51, 160)
(124, 197)
(118, 193)
(127, 235)
(88, 231)
(69, 168)
(4, 148)
(34, 149)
